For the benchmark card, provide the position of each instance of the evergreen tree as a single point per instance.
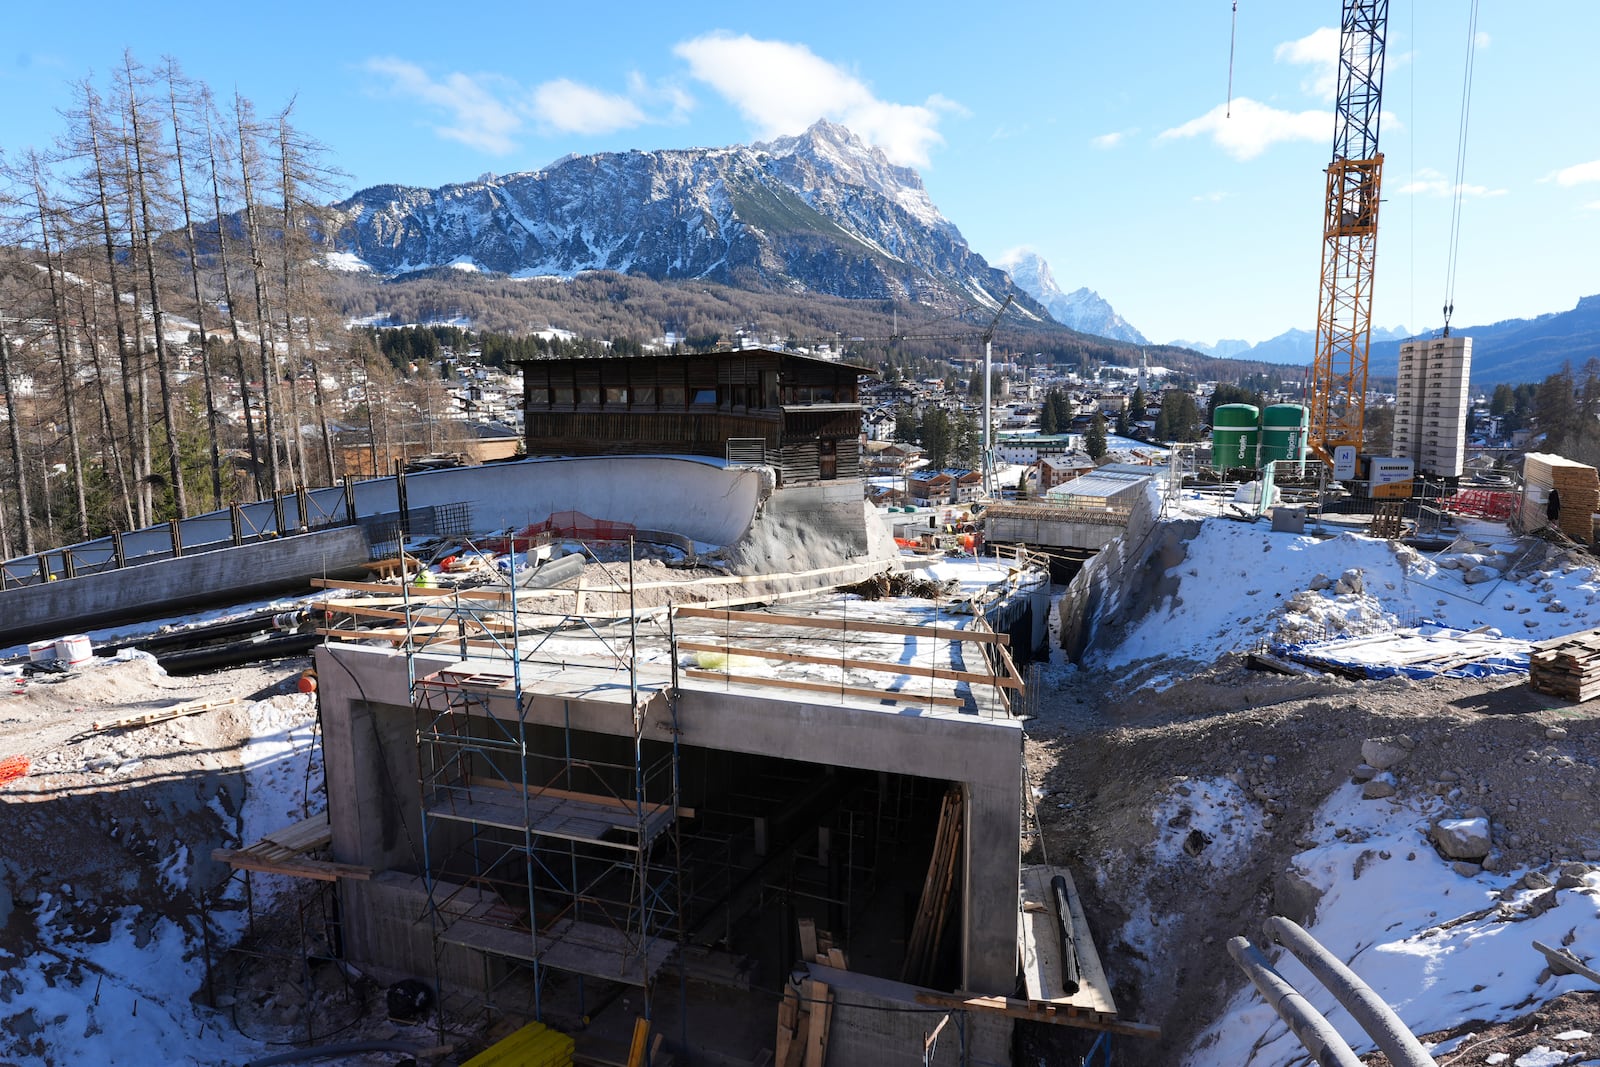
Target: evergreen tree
(1097, 438)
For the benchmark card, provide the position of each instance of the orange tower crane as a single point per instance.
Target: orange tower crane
(1349, 239)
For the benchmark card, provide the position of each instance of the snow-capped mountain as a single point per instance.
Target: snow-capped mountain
(1081, 309)
(1289, 347)
(820, 212)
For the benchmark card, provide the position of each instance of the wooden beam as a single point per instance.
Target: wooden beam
(880, 666)
(242, 859)
(176, 711)
(824, 687)
(1037, 1011)
(828, 623)
(568, 794)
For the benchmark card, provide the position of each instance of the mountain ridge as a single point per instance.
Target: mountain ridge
(820, 211)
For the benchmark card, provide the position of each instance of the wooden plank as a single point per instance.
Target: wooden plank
(879, 666)
(823, 687)
(641, 1041)
(1036, 1011)
(829, 623)
(244, 859)
(808, 939)
(304, 836)
(817, 1038)
(568, 794)
(175, 711)
(1562, 961)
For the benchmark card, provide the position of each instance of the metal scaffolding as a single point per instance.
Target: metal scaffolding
(545, 847)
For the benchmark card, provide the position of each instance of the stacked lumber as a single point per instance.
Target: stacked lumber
(1573, 487)
(807, 1008)
(927, 931)
(803, 1016)
(1567, 667)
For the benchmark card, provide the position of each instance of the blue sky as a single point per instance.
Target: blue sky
(1092, 133)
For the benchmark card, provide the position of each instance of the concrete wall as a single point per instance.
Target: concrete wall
(222, 575)
(363, 692)
(1112, 582)
(879, 1022)
(694, 497)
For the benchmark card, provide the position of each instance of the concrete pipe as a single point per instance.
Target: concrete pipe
(1305, 1022)
(1366, 1007)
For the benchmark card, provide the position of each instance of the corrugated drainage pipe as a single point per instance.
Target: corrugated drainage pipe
(324, 1052)
(1305, 1022)
(1366, 1007)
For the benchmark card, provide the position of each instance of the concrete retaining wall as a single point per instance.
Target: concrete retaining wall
(1100, 589)
(177, 585)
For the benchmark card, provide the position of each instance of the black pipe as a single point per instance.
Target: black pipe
(277, 646)
(196, 635)
(1069, 951)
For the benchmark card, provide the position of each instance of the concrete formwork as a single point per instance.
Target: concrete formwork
(371, 771)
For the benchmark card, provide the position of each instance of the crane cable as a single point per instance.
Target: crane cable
(1233, 38)
(1461, 166)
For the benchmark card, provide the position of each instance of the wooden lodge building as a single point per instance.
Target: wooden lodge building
(800, 415)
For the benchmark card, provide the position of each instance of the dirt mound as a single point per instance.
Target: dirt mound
(1120, 778)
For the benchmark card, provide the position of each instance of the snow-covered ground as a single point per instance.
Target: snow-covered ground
(1436, 971)
(1242, 585)
(126, 999)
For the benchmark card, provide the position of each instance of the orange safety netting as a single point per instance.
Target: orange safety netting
(12, 768)
(568, 524)
(1481, 503)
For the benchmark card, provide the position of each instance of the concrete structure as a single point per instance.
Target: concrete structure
(226, 574)
(755, 530)
(1072, 522)
(1431, 400)
(876, 743)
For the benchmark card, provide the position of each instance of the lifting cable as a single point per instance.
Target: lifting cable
(1233, 39)
(1461, 165)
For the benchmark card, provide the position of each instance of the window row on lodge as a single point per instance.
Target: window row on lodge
(674, 384)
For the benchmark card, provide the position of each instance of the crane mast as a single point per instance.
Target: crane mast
(1350, 235)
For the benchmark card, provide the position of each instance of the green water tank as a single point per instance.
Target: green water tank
(1284, 429)
(1234, 436)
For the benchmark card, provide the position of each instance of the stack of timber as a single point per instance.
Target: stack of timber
(807, 1005)
(927, 931)
(1560, 493)
(1567, 667)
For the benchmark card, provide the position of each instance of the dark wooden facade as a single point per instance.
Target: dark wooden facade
(804, 411)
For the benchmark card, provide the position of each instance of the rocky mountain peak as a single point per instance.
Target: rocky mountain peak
(821, 211)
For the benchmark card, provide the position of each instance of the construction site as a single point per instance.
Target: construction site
(665, 746)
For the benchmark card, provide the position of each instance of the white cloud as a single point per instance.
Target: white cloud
(1429, 182)
(1318, 50)
(1113, 139)
(477, 115)
(1210, 198)
(489, 112)
(1254, 127)
(1577, 174)
(564, 106)
(783, 88)
(1482, 40)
